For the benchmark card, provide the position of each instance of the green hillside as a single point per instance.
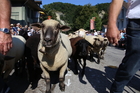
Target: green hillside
(78, 16)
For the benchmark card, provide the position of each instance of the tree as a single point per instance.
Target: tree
(48, 12)
(84, 15)
(98, 22)
(77, 16)
(104, 7)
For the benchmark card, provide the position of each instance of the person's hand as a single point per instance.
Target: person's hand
(113, 34)
(5, 43)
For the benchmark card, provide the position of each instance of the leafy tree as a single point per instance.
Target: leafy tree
(104, 7)
(85, 13)
(98, 23)
(105, 19)
(77, 16)
(49, 12)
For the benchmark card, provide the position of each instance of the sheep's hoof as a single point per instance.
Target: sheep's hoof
(62, 89)
(98, 62)
(102, 57)
(76, 73)
(62, 86)
(92, 60)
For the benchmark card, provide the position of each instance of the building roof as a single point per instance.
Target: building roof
(31, 3)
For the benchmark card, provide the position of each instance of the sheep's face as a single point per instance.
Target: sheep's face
(50, 32)
(82, 47)
(50, 35)
(98, 42)
(106, 42)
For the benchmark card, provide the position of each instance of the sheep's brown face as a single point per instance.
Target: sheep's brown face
(50, 35)
(50, 32)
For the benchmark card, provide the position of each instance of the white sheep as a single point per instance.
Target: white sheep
(72, 35)
(13, 55)
(97, 42)
(54, 49)
(105, 44)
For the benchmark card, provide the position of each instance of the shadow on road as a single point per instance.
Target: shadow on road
(19, 84)
(134, 83)
(101, 81)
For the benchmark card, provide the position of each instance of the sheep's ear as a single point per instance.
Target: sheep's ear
(37, 25)
(64, 28)
(95, 38)
(105, 39)
(8, 57)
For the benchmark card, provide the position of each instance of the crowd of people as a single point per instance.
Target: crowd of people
(16, 28)
(122, 41)
(95, 33)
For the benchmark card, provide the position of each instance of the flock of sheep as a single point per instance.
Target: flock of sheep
(49, 51)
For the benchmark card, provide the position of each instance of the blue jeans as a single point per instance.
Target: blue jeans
(131, 62)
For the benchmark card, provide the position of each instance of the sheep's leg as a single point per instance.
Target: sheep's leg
(102, 54)
(52, 88)
(61, 77)
(47, 79)
(91, 55)
(48, 85)
(84, 66)
(80, 62)
(9, 68)
(76, 65)
(61, 84)
(30, 67)
(6, 74)
(99, 56)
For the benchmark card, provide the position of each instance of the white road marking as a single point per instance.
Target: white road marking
(68, 84)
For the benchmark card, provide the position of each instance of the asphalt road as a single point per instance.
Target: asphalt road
(97, 79)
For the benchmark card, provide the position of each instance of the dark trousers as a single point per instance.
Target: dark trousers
(131, 62)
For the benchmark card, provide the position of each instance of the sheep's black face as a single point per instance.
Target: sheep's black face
(50, 35)
(82, 48)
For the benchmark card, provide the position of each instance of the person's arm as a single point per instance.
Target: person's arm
(113, 34)
(5, 15)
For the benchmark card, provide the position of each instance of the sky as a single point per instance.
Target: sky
(77, 2)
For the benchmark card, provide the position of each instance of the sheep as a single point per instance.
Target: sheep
(79, 51)
(32, 60)
(8, 61)
(54, 49)
(105, 44)
(82, 33)
(72, 35)
(97, 42)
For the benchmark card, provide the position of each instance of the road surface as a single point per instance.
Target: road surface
(97, 79)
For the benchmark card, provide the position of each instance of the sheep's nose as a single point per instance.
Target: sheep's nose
(48, 39)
